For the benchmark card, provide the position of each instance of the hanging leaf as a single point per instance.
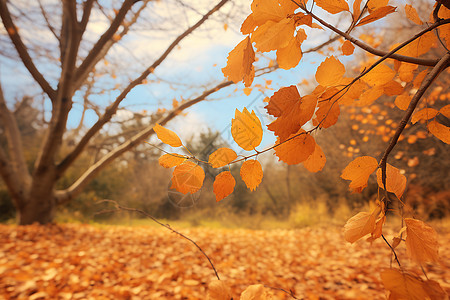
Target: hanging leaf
(330, 72)
(316, 161)
(251, 173)
(333, 6)
(218, 290)
(297, 149)
(240, 63)
(221, 157)
(379, 75)
(358, 171)
(170, 160)
(402, 101)
(356, 9)
(289, 56)
(395, 181)
(223, 185)
(419, 46)
(255, 292)
(403, 285)
(187, 178)
(440, 131)
(376, 15)
(421, 241)
(275, 11)
(445, 111)
(246, 129)
(378, 231)
(274, 35)
(347, 48)
(393, 88)
(412, 14)
(167, 136)
(424, 114)
(360, 225)
(327, 114)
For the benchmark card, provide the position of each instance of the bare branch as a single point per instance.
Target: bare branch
(22, 50)
(87, 8)
(47, 20)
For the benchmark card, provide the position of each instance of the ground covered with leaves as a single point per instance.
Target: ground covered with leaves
(88, 262)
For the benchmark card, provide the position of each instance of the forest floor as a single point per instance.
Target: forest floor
(72, 261)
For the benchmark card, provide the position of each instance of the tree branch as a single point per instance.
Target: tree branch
(22, 50)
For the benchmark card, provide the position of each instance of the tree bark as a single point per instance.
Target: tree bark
(37, 210)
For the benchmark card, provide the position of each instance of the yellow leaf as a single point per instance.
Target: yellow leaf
(421, 241)
(251, 173)
(330, 72)
(347, 48)
(255, 292)
(274, 35)
(218, 290)
(289, 56)
(240, 63)
(376, 15)
(395, 181)
(221, 157)
(358, 171)
(333, 6)
(403, 285)
(379, 75)
(187, 178)
(412, 14)
(167, 136)
(170, 160)
(440, 131)
(360, 225)
(402, 101)
(424, 114)
(246, 129)
(223, 185)
(295, 150)
(316, 161)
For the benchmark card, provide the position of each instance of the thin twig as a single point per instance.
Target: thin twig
(393, 250)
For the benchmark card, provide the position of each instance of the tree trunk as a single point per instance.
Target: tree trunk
(37, 210)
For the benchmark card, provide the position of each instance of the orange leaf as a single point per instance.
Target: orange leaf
(375, 4)
(333, 6)
(412, 14)
(395, 181)
(376, 15)
(221, 157)
(316, 161)
(406, 71)
(289, 56)
(402, 101)
(327, 113)
(268, 10)
(379, 75)
(246, 129)
(440, 131)
(378, 231)
(370, 95)
(255, 292)
(218, 290)
(187, 178)
(274, 35)
(347, 48)
(358, 171)
(296, 150)
(240, 63)
(419, 46)
(424, 114)
(223, 185)
(356, 9)
(282, 100)
(249, 25)
(434, 290)
(421, 241)
(445, 111)
(330, 72)
(419, 78)
(403, 285)
(392, 88)
(251, 173)
(170, 160)
(167, 136)
(360, 225)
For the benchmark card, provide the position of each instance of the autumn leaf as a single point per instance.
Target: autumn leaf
(370, 96)
(218, 290)
(170, 160)
(395, 181)
(296, 149)
(412, 14)
(376, 15)
(375, 4)
(282, 100)
(167, 136)
(440, 131)
(402, 101)
(246, 129)
(393, 88)
(240, 63)
(333, 6)
(360, 225)
(330, 72)
(434, 290)
(424, 114)
(221, 157)
(379, 75)
(223, 185)
(289, 56)
(327, 113)
(356, 9)
(274, 35)
(358, 171)
(347, 48)
(421, 241)
(419, 46)
(403, 285)
(445, 111)
(267, 10)
(316, 161)
(187, 177)
(249, 25)
(251, 173)
(255, 292)
(378, 231)
(406, 71)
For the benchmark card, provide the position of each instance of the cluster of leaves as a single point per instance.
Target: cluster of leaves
(279, 26)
